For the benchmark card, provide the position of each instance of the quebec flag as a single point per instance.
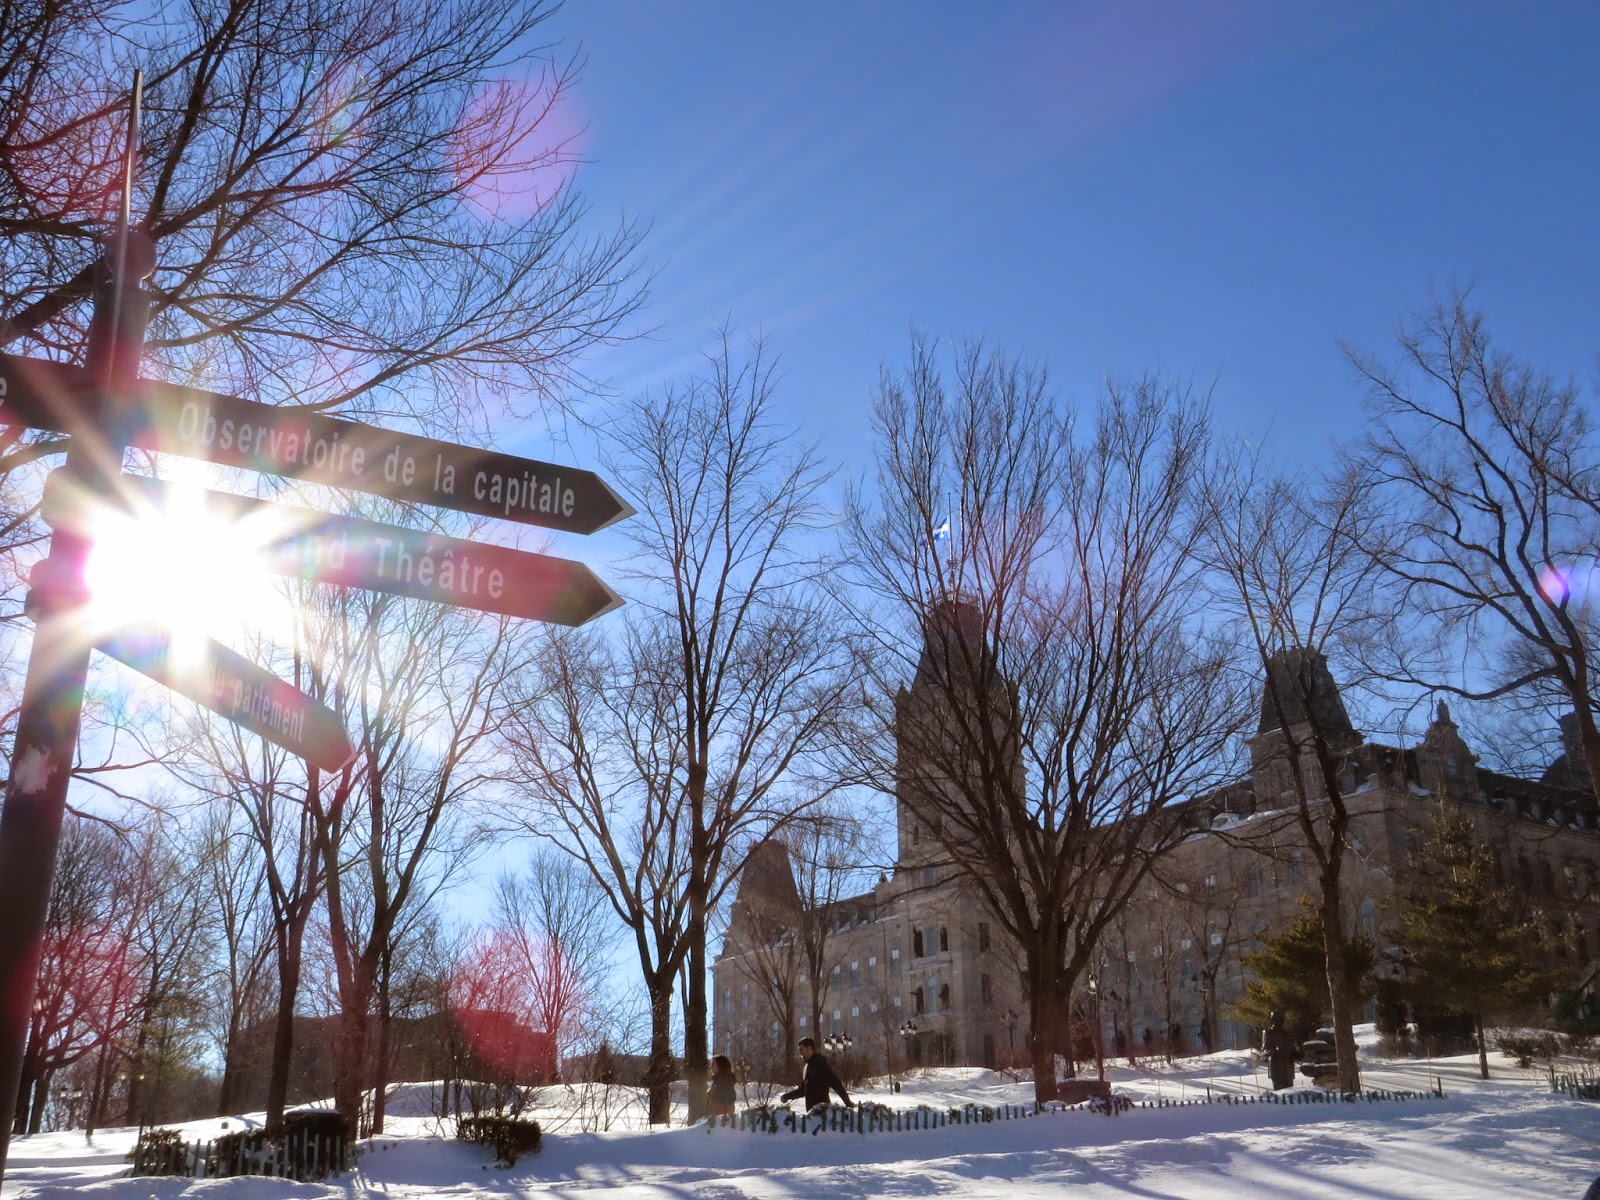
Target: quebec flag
(941, 531)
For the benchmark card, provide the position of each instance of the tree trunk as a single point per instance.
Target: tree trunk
(350, 1066)
(24, 1112)
(1044, 1034)
(658, 1075)
(380, 1062)
(289, 934)
(1483, 1048)
(232, 1051)
(695, 1040)
(1333, 949)
(41, 1093)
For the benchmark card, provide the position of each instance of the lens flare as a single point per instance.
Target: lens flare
(1555, 585)
(181, 566)
(517, 146)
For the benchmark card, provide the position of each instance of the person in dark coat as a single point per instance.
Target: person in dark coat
(1278, 1045)
(817, 1078)
(720, 1095)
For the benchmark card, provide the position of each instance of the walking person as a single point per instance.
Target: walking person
(817, 1078)
(720, 1095)
(1278, 1045)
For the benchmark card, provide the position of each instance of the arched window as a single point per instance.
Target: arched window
(944, 939)
(916, 943)
(916, 1001)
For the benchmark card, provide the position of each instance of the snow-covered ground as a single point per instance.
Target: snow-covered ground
(1508, 1137)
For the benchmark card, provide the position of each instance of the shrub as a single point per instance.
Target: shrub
(1525, 1047)
(1582, 1045)
(508, 1137)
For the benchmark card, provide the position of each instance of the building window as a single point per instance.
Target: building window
(933, 993)
(855, 974)
(872, 1006)
(1211, 884)
(944, 939)
(986, 989)
(855, 1012)
(1252, 881)
(896, 1002)
(838, 1021)
(983, 937)
(944, 995)
(894, 962)
(804, 1021)
(1216, 939)
(916, 943)
(837, 972)
(744, 995)
(916, 1001)
(929, 877)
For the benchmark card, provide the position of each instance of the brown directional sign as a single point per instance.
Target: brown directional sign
(305, 544)
(38, 393)
(234, 687)
(296, 444)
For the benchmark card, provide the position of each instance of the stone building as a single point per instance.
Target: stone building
(914, 972)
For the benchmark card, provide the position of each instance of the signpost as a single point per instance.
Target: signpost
(235, 688)
(106, 407)
(305, 544)
(310, 446)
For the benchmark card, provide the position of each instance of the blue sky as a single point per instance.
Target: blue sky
(1224, 191)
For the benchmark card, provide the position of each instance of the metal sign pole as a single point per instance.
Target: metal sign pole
(52, 701)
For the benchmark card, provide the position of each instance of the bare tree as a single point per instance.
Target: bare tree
(1064, 692)
(556, 918)
(422, 687)
(88, 993)
(1491, 468)
(657, 758)
(356, 205)
(1293, 569)
(276, 803)
(780, 928)
(234, 892)
(168, 937)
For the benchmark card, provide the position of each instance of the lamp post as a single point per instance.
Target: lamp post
(837, 1043)
(1099, 1029)
(72, 1097)
(1011, 1039)
(908, 1031)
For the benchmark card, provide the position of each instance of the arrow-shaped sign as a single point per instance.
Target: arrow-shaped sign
(307, 445)
(235, 688)
(305, 544)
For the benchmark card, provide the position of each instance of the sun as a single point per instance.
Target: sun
(170, 559)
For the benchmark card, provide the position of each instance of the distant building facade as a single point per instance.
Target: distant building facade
(914, 972)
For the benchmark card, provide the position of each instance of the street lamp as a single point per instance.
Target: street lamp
(837, 1043)
(1099, 1029)
(71, 1097)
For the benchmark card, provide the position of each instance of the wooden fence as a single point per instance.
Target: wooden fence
(300, 1155)
(877, 1118)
